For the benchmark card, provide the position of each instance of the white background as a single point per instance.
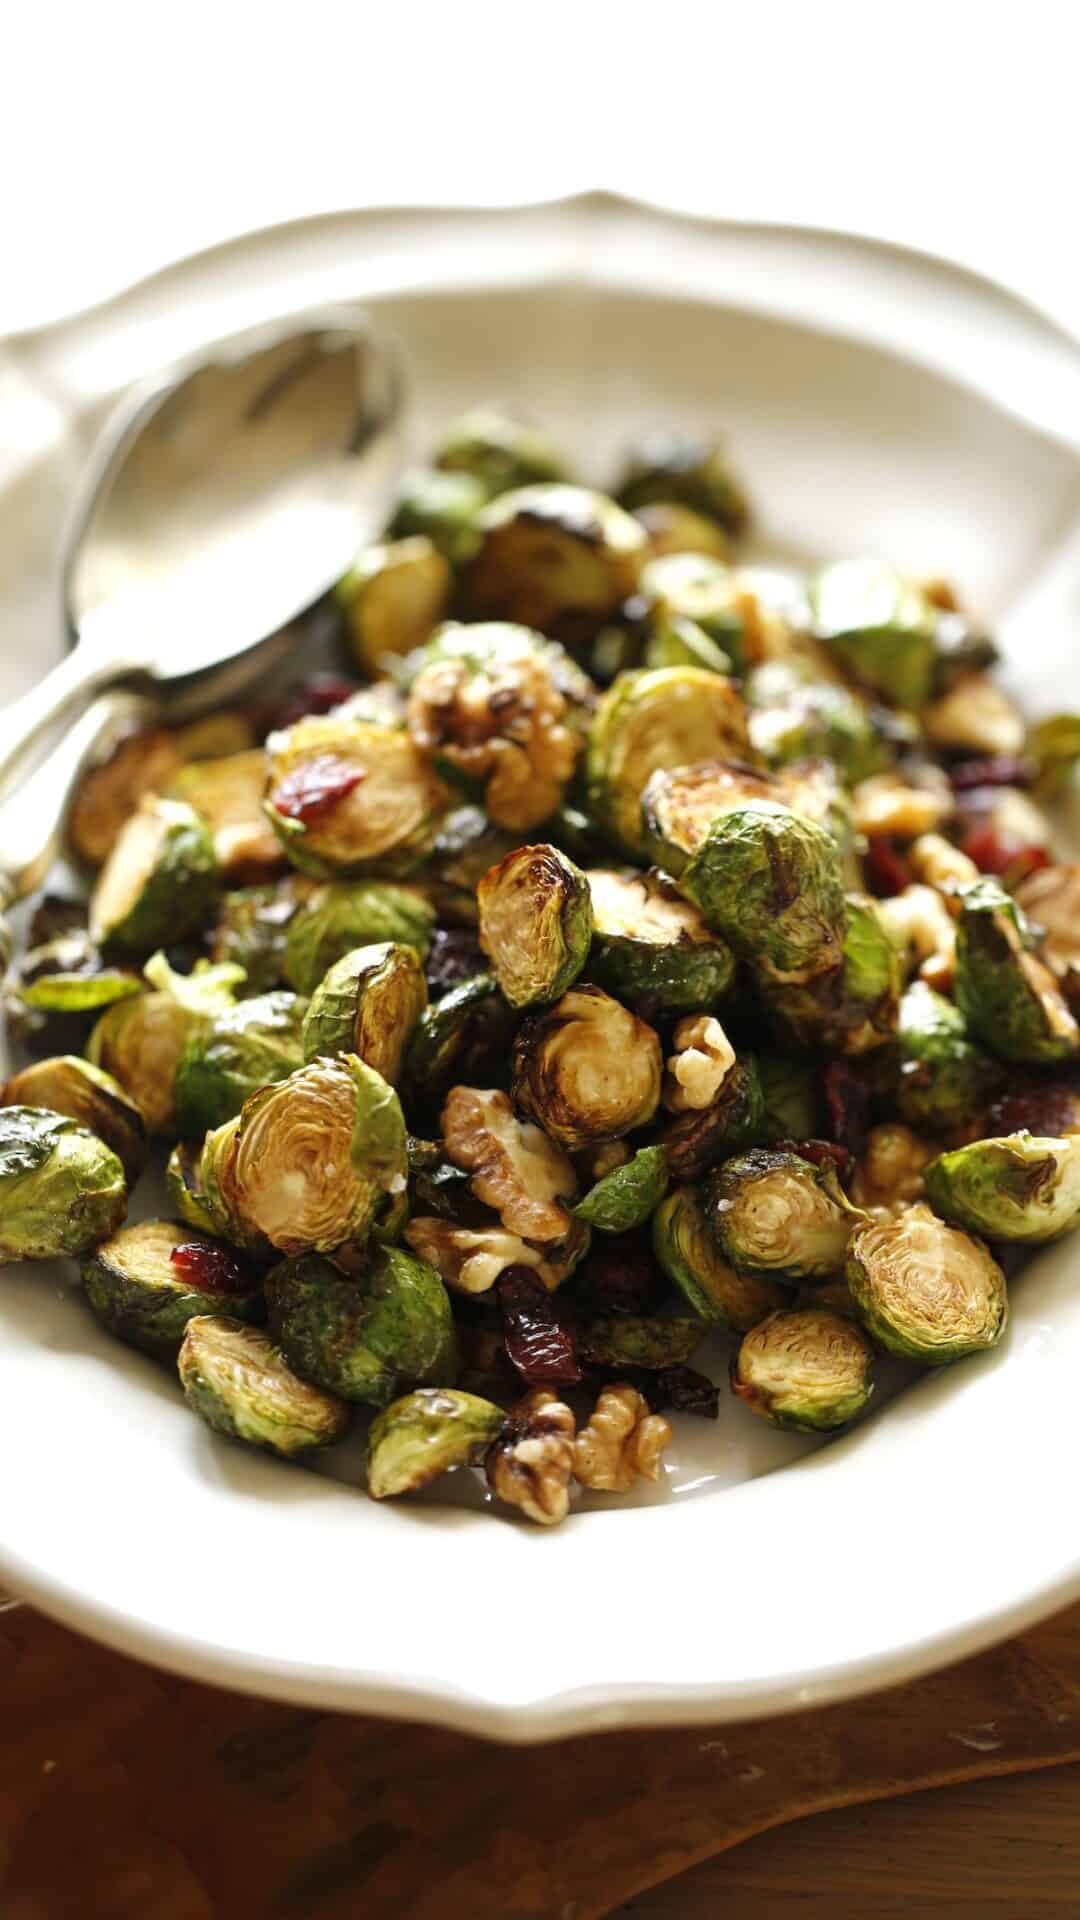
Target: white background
(133, 134)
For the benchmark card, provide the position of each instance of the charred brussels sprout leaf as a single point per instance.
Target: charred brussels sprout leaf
(680, 804)
(159, 882)
(944, 1080)
(924, 1289)
(804, 1368)
(61, 1188)
(334, 919)
(426, 1434)
(465, 1037)
(1007, 995)
(1020, 1187)
(347, 796)
(147, 1281)
(363, 1337)
(696, 1140)
(442, 507)
(246, 1047)
(535, 924)
(227, 795)
(619, 1340)
(368, 1004)
(498, 452)
(187, 1195)
(139, 1042)
(393, 599)
(587, 1069)
(689, 1256)
(779, 1216)
(70, 975)
(656, 719)
(234, 1379)
(652, 949)
(880, 627)
(626, 1196)
(770, 883)
(677, 466)
(555, 557)
(94, 1099)
(854, 1008)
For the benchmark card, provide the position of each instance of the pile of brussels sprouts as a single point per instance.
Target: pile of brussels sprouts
(639, 944)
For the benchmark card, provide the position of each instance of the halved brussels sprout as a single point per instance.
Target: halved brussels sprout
(673, 528)
(251, 928)
(159, 882)
(626, 1196)
(682, 643)
(187, 1195)
(815, 720)
(791, 1102)
(944, 1080)
(854, 1008)
(393, 599)
(468, 843)
(501, 712)
(61, 1188)
(147, 1281)
(680, 804)
(553, 556)
(1054, 746)
(362, 1337)
(926, 1290)
(229, 1056)
(692, 587)
(776, 1215)
(651, 948)
(536, 921)
(587, 1069)
(617, 1340)
(234, 1378)
(464, 1038)
(515, 1169)
(75, 1087)
(107, 795)
(679, 466)
(804, 1368)
(1021, 1186)
(1008, 996)
(770, 883)
(470, 1259)
(347, 795)
(71, 975)
(368, 1004)
(426, 1434)
(441, 506)
(313, 1164)
(659, 718)
(701, 1137)
(335, 919)
(1051, 896)
(228, 797)
(880, 626)
(687, 1252)
(139, 1042)
(499, 452)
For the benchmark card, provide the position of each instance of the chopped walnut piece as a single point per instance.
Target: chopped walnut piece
(701, 1062)
(887, 803)
(889, 1175)
(507, 725)
(937, 862)
(470, 1259)
(530, 1464)
(515, 1167)
(975, 716)
(621, 1441)
(919, 923)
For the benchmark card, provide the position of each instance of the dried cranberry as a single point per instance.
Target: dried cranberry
(1005, 854)
(847, 1102)
(315, 787)
(455, 957)
(621, 1276)
(1042, 1107)
(1001, 770)
(820, 1153)
(886, 871)
(541, 1350)
(684, 1391)
(210, 1268)
(319, 693)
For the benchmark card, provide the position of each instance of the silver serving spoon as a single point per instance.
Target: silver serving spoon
(224, 499)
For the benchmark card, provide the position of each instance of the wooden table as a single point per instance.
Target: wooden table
(126, 1793)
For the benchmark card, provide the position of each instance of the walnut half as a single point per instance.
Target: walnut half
(530, 1464)
(701, 1062)
(621, 1441)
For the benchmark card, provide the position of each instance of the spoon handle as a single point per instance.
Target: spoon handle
(83, 672)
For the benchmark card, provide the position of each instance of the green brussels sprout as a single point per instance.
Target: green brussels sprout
(61, 1188)
(71, 975)
(791, 1107)
(139, 1042)
(770, 883)
(160, 881)
(363, 1336)
(814, 720)
(626, 1196)
(349, 797)
(426, 1434)
(368, 1004)
(107, 795)
(778, 1216)
(234, 1379)
(229, 1056)
(944, 1080)
(464, 1038)
(227, 795)
(187, 1195)
(587, 1069)
(617, 1340)
(466, 846)
(392, 599)
(535, 920)
(1054, 746)
(84, 1093)
(313, 1164)
(335, 919)
(680, 804)
(682, 643)
(651, 948)
(499, 452)
(804, 1368)
(555, 557)
(251, 928)
(442, 507)
(673, 528)
(882, 628)
(1022, 1186)
(687, 1253)
(147, 1281)
(692, 587)
(1007, 995)
(678, 466)
(924, 1289)
(854, 1008)
(699, 1138)
(660, 718)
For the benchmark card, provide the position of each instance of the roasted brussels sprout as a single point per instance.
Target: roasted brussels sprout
(499, 452)
(618, 1341)
(770, 883)
(71, 975)
(515, 1169)
(536, 923)
(1054, 747)
(392, 600)
(75, 1087)
(234, 1378)
(443, 508)
(944, 1080)
(159, 882)
(314, 1163)
(681, 643)
(625, 1197)
(587, 1069)
(680, 804)
(659, 718)
(1021, 1186)
(426, 1434)
(147, 1281)
(1008, 996)
(467, 844)
(924, 1289)
(854, 1008)
(691, 587)
(805, 1368)
(776, 1215)
(678, 466)
(348, 796)
(464, 1038)
(368, 1004)
(61, 1188)
(687, 1252)
(187, 1196)
(139, 1042)
(673, 528)
(814, 720)
(229, 1056)
(471, 1259)
(108, 795)
(555, 557)
(335, 919)
(228, 797)
(250, 930)
(791, 1104)
(651, 948)
(363, 1337)
(700, 1137)
(878, 625)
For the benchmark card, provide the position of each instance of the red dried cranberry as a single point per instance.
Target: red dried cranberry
(886, 871)
(541, 1350)
(820, 1153)
(682, 1390)
(621, 1276)
(1000, 770)
(847, 1102)
(314, 788)
(320, 693)
(1005, 854)
(1041, 1107)
(210, 1268)
(455, 957)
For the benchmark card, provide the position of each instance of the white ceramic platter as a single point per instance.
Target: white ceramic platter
(875, 400)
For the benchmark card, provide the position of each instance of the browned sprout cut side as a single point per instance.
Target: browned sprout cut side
(350, 797)
(805, 1368)
(555, 557)
(779, 1216)
(924, 1289)
(234, 1378)
(536, 923)
(587, 1069)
